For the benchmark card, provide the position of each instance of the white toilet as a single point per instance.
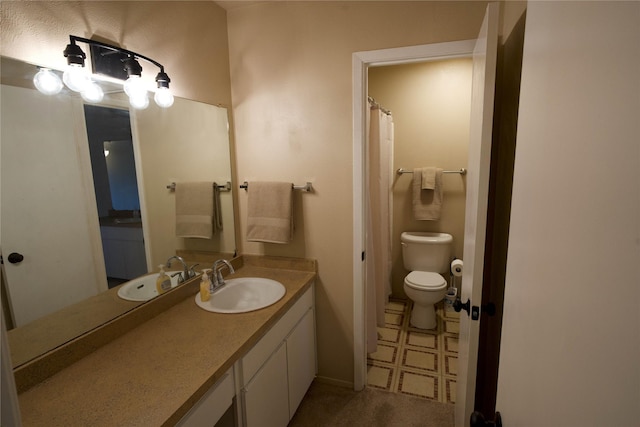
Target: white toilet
(427, 256)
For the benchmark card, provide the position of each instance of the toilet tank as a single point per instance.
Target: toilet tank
(426, 251)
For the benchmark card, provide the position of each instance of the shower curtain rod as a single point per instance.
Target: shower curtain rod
(375, 104)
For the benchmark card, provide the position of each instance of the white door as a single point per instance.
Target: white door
(570, 346)
(45, 214)
(484, 70)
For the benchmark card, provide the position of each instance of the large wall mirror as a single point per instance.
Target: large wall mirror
(69, 173)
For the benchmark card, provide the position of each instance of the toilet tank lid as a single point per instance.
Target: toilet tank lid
(425, 237)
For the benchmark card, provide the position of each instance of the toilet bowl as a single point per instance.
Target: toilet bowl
(425, 255)
(425, 289)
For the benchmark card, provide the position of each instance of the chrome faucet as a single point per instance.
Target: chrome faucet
(187, 272)
(218, 280)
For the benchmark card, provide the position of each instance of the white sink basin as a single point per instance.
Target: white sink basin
(242, 295)
(143, 288)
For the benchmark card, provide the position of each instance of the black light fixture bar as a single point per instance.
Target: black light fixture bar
(90, 42)
(115, 62)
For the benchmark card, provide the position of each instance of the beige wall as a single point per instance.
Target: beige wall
(291, 89)
(430, 102)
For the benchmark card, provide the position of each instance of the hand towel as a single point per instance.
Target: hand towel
(195, 209)
(427, 203)
(428, 178)
(270, 212)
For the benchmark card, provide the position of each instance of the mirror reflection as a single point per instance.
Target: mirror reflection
(65, 211)
(116, 191)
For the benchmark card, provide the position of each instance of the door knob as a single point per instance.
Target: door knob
(458, 305)
(15, 258)
(477, 420)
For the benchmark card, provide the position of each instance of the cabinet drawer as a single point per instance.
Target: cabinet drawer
(272, 339)
(212, 405)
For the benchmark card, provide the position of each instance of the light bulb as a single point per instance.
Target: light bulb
(139, 101)
(47, 82)
(163, 97)
(134, 86)
(92, 93)
(75, 78)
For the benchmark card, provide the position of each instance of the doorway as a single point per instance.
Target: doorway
(361, 63)
(116, 189)
(430, 102)
(483, 50)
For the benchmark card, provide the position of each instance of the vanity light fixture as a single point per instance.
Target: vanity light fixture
(78, 79)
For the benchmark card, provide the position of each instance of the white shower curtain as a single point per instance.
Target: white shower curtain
(379, 219)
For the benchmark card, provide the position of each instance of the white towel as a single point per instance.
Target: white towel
(195, 210)
(427, 203)
(270, 212)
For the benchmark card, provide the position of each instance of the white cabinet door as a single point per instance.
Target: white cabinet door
(301, 360)
(266, 400)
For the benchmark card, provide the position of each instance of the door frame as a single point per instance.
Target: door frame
(361, 61)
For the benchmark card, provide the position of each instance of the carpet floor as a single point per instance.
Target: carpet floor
(328, 405)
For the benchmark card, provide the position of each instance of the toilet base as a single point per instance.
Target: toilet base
(423, 316)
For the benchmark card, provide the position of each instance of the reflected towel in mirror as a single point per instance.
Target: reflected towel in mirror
(195, 209)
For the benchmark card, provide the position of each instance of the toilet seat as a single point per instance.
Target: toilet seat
(425, 280)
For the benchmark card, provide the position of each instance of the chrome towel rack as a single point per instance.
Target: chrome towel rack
(461, 171)
(225, 187)
(307, 187)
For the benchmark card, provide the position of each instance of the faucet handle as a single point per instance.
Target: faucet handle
(192, 272)
(180, 277)
(219, 279)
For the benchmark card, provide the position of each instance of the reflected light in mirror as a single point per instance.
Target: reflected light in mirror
(92, 93)
(47, 82)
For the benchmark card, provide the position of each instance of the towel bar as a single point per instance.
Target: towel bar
(307, 187)
(462, 171)
(225, 187)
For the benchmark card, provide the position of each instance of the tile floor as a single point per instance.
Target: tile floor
(413, 361)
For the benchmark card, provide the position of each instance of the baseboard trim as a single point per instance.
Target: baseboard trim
(333, 381)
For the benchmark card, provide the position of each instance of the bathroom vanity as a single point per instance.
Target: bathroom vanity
(270, 380)
(190, 367)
